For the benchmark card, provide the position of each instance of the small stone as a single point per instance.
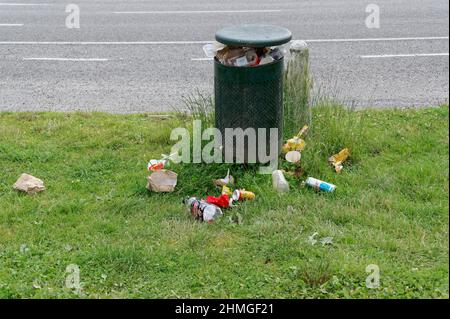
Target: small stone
(29, 184)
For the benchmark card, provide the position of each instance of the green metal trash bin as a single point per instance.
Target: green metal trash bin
(250, 97)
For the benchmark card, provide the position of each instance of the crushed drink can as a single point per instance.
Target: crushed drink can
(242, 194)
(320, 185)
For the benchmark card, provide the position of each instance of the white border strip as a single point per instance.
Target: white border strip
(403, 55)
(11, 24)
(23, 4)
(194, 12)
(65, 59)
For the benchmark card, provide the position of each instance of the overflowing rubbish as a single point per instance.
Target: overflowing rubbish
(242, 194)
(202, 210)
(320, 185)
(243, 56)
(337, 159)
(29, 184)
(224, 181)
(222, 201)
(162, 181)
(279, 182)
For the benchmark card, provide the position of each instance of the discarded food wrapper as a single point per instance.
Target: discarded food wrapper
(224, 181)
(202, 210)
(162, 181)
(293, 156)
(337, 159)
(29, 184)
(279, 182)
(320, 185)
(222, 201)
(155, 165)
(226, 190)
(242, 194)
(294, 144)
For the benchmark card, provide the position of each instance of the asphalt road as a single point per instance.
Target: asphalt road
(142, 56)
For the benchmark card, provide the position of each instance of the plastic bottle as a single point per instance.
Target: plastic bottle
(202, 210)
(279, 182)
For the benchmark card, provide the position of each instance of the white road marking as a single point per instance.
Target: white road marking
(65, 59)
(11, 24)
(204, 42)
(193, 12)
(24, 4)
(377, 39)
(403, 55)
(202, 59)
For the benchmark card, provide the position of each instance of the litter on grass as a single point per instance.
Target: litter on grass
(293, 156)
(29, 184)
(320, 185)
(162, 181)
(222, 201)
(279, 182)
(242, 194)
(202, 210)
(337, 159)
(224, 181)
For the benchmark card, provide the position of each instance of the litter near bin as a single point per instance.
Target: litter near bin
(222, 201)
(242, 194)
(224, 181)
(162, 181)
(320, 185)
(226, 190)
(29, 184)
(155, 165)
(293, 156)
(202, 210)
(296, 143)
(337, 159)
(279, 182)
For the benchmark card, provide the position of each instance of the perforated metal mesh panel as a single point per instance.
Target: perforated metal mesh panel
(249, 97)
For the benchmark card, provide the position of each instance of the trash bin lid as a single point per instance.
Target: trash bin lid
(253, 35)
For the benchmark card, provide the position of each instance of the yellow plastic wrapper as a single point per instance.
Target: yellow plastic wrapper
(295, 143)
(226, 190)
(337, 159)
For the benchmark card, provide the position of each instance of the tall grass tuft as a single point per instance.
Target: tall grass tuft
(297, 92)
(198, 106)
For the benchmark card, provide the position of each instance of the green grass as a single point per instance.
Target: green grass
(390, 209)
